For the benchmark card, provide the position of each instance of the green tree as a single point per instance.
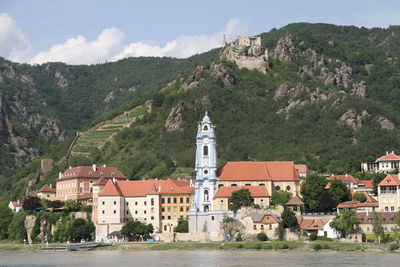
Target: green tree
(289, 219)
(312, 189)
(377, 226)
(325, 202)
(31, 203)
(345, 222)
(72, 205)
(16, 230)
(397, 228)
(339, 192)
(358, 196)
(6, 217)
(280, 197)
(182, 227)
(280, 232)
(134, 229)
(240, 198)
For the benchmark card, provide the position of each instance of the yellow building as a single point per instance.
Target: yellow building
(270, 175)
(389, 193)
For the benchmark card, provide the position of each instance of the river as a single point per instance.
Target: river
(197, 258)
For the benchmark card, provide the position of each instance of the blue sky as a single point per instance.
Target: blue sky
(89, 31)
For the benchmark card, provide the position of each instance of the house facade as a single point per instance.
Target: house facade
(389, 193)
(385, 164)
(47, 192)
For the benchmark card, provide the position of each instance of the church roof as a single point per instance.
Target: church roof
(259, 171)
(255, 191)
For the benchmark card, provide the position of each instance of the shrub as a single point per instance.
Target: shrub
(313, 237)
(262, 236)
(285, 246)
(239, 237)
(240, 246)
(317, 246)
(268, 246)
(394, 246)
(257, 246)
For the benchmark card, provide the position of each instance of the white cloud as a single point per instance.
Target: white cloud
(185, 45)
(14, 44)
(79, 51)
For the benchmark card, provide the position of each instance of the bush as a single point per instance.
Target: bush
(285, 246)
(240, 246)
(268, 246)
(394, 246)
(317, 247)
(262, 236)
(257, 246)
(313, 237)
(239, 238)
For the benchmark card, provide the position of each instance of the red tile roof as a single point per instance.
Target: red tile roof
(85, 196)
(92, 172)
(310, 224)
(356, 204)
(47, 189)
(301, 168)
(255, 191)
(295, 201)
(146, 187)
(101, 181)
(367, 184)
(390, 180)
(367, 218)
(388, 157)
(259, 171)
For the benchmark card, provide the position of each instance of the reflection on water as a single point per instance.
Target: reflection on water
(196, 258)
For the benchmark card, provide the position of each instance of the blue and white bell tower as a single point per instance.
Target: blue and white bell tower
(206, 167)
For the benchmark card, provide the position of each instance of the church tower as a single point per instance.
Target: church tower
(206, 166)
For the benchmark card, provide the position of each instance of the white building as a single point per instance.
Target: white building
(385, 164)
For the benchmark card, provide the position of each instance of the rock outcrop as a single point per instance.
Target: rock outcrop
(284, 48)
(359, 89)
(246, 52)
(384, 123)
(354, 120)
(174, 119)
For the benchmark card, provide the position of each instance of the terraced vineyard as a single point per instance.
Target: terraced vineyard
(97, 137)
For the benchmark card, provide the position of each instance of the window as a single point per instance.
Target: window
(136, 203)
(162, 217)
(181, 200)
(270, 227)
(127, 203)
(135, 211)
(277, 187)
(103, 203)
(220, 185)
(145, 203)
(233, 184)
(127, 212)
(163, 200)
(165, 228)
(169, 209)
(163, 209)
(169, 217)
(391, 208)
(187, 200)
(288, 188)
(262, 227)
(145, 212)
(115, 202)
(212, 218)
(152, 218)
(174, 200)
(152, 201)
(386, 209)
(205, 172)
(255, 227)
(247, 185)
(181, 209)
(261, 184)
(102, 212)
(205, 151)
(222, 201)
(169, 200)
(205, 128)
(205, 195)
(187, 208)
(115, 212)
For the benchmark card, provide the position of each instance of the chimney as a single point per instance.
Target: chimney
(387, 152)
(59, 175)
(347, 175)
(104, 165)
(159, 188)
(114, 180)
(94, 167)
(69, 167)
(50, 186)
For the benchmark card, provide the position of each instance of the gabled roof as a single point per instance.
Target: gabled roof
(258, 171)
(255, 191)
(101, 181)
(356, 204)
(47, 189)
(390, 180)
(257, 218)
(146, 187)
(388, 157)
(92, 172)
(367, 184)
(295, 201)
(310, 224)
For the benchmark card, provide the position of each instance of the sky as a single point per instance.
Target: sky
(96, 31)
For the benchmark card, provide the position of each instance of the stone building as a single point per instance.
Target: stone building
(47, 192)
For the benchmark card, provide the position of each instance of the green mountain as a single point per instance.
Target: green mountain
(319, 94)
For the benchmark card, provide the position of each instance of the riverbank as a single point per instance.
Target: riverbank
(252, 245)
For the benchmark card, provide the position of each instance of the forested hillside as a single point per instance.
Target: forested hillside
(329, 98)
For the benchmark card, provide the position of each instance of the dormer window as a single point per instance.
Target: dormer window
(90, 173)
(205, 128)
(205, 151)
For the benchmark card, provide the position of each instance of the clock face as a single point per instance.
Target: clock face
(205, 140)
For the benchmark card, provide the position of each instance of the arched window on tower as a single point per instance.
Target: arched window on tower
(205, 151)
(205, 128)
(205, 195)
